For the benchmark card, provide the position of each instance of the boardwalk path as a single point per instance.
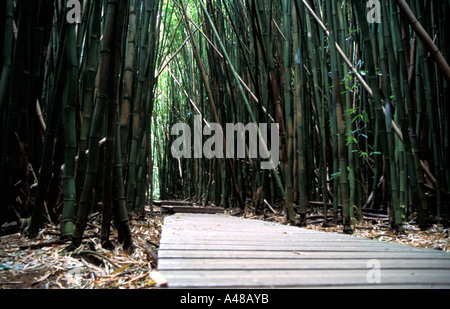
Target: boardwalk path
(218, 251)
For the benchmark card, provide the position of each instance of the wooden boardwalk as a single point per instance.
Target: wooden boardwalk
(218, 251)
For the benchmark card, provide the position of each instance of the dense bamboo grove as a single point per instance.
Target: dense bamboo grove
(76, 106)
(87, 108)
(361, 105)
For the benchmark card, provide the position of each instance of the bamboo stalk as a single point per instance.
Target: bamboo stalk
(68, 214)
(103, 95)
(210, 95)
(426, 39)
(40, 117)
(7, 52)
(54, 114)
(366, 86)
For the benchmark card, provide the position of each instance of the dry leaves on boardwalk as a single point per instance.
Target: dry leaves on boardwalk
(43, 262)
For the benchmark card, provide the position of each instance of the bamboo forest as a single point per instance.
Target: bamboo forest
(346, 99)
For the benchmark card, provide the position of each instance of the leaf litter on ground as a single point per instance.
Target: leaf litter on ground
(44, 263)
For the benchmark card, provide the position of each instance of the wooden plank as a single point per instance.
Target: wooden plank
(232, 243)
(384, 287)
(204, 234)
(173, 209)
(171, 203)
(175, 238)
(296, 264)
(301, 278)
(221, 251)
(287, 247)
(289, 254)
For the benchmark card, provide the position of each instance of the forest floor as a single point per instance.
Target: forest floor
(43, 263)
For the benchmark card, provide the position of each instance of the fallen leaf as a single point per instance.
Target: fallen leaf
(158, 278)
(44, 277)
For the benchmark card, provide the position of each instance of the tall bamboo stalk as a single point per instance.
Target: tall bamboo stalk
(40, 211)
(103, 95)
(70, 136)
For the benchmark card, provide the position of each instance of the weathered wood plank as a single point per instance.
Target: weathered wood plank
(173, 209)
(382, 286)
(290, 254)
(300, 278)
(292, 243)
(296, 264)
(345, 247)
(157, 202)
(222, 251)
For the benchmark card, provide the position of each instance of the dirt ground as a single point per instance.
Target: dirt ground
(43, 263)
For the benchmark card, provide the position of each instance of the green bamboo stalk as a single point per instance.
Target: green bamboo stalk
(82, 29)
(343, 177)
(431, 116)
(396, 219)
(7, 53)
(288, 111)
(121, 217)
(129, 76)
(407, 120)
(208, 90)
(323, 125)
(4, 95)
(346, 96)
(39, 32)
(427, 40)
(70, 137)
(136, 117)
(290, 212)
(103, 95)
(266, 45)
(303, 198)
(112, 113)
(146, 158)
(313, 50)
(44, 178)
(91, 71)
